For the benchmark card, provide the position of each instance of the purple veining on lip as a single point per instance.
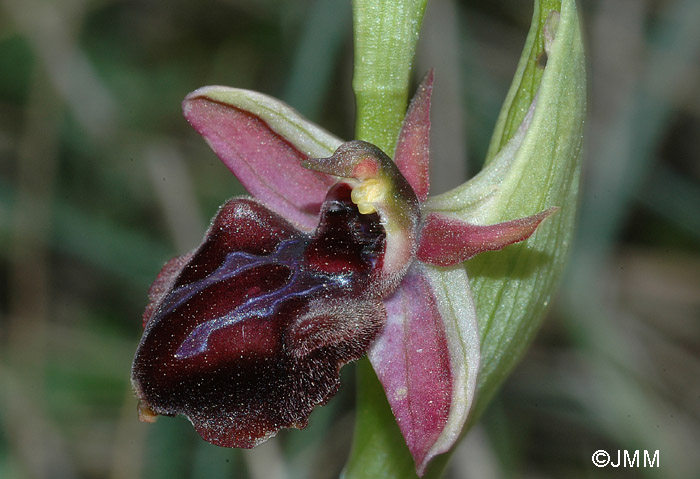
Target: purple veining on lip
(301, 282)
(246, 334)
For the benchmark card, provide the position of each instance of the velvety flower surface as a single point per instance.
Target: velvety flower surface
(254, 327)
(336, 257)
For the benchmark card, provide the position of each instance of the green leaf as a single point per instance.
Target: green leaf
(533, 165)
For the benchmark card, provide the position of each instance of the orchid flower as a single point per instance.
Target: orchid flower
(333, 258)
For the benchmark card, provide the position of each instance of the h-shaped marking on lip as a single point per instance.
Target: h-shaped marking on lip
(300, 283)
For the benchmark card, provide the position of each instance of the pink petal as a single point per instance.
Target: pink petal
(412, 149)
(412, 361)
(446, 241)
(265, 162)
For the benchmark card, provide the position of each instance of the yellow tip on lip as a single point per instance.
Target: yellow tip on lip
(146, 414)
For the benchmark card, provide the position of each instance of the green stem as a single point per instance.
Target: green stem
(386, 32)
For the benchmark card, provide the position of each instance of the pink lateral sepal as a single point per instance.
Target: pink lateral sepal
(447, 241)
(412, 361)
(413, 146)
(267, 165)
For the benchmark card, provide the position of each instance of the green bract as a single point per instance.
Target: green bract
(512, 288)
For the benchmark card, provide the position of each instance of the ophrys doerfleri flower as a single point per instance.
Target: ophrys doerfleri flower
(332, 259)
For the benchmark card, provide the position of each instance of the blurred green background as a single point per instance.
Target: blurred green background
(102, 180)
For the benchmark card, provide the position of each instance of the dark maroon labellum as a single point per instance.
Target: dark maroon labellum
(247, 334)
